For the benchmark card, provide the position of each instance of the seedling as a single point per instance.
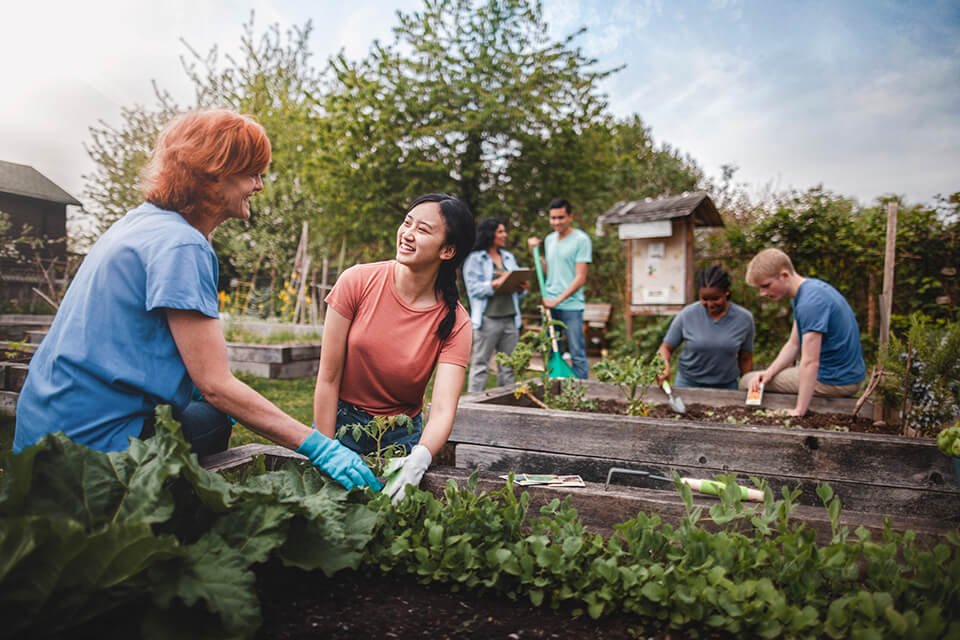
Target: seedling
(634, 375)
(378, 460)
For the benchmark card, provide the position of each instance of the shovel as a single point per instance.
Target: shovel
(557, 367)
(676, 402)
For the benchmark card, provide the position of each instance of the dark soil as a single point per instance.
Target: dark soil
(758, 416)
(353, 605)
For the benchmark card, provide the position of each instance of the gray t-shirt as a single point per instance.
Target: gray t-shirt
(710, 354)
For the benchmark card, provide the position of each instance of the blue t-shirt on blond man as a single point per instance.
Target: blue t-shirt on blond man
(109, 357)
(821, 308)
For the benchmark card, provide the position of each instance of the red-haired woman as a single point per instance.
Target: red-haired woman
(139, 324)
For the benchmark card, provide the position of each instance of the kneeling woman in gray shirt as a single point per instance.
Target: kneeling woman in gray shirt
(718, 336)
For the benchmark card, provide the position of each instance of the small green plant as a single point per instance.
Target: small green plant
(948, 440)
(572, 397)
(376, 429)
(634, 375)
(16, 350)
(532, 343)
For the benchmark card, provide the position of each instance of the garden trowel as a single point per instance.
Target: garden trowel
(676, 402)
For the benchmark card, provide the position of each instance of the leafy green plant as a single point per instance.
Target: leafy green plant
(634, 375)
(530, 344)
(572, 397)
(948, 440)
(376, 429)
(922, 375)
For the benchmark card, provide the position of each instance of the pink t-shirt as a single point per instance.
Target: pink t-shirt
(392, 349)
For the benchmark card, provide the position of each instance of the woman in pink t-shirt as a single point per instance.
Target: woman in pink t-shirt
(389, 326)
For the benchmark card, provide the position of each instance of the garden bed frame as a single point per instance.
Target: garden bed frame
(600, 506)
(907, 479)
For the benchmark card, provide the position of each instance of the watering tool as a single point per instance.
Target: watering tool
(557, 367)
(676, 402)
(710, 487)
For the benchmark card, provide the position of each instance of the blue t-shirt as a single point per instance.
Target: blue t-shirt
(562, 255)
(711, 351)
(819, 307)
(109, 357)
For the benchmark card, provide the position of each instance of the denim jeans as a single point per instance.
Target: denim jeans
(205, 428)
(681, 381)
(576, 341)
(348, 414)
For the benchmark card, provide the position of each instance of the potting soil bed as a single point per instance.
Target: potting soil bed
(358, 604)
(733, 414)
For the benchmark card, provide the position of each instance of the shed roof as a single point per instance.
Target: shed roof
(24, 180)
(698, 203)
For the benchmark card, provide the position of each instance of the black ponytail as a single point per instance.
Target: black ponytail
(461, 233)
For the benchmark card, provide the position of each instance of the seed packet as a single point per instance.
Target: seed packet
(755, 397)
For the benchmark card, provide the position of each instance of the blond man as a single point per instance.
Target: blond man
(825, 335)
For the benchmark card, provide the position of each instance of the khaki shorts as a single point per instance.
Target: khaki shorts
(788, 381)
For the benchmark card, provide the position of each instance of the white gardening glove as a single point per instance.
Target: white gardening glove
(411, 471)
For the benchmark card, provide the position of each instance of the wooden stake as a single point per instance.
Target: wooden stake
(886, 298)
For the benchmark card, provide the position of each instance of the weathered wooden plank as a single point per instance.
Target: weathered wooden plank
(747, 450)
(12, 375)
(709, 397)
(282, 371)
(272, 353)
(237, 457)
(264, 353)
(601, 509)
(857, 496)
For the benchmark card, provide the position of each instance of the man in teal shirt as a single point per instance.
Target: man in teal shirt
(568, 253)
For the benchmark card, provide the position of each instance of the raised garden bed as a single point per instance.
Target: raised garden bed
(14, 359)
(875, 475)
(15, 327)
(275, 360)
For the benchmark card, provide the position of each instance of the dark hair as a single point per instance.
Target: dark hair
(713, 278)
(560, 203)
(461, 233)
(486, 232)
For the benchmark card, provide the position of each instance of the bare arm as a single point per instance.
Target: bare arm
(332, 355)
(578, 281)
(443, 406)
(665, 352)
(786, 357)
(809, 366)
(200, 342)
(745, 360)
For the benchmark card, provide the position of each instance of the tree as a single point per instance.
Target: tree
(470, 97)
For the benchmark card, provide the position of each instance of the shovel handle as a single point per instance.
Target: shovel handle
(714, 488)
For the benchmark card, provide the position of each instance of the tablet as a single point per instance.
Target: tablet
(514, 281)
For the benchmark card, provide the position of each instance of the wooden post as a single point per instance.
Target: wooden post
(322, 292)
(628, 302)
(886, 298)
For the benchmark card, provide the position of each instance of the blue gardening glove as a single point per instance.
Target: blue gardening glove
(411, 471)
(338, 462)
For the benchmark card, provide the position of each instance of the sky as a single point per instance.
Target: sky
(860, 97)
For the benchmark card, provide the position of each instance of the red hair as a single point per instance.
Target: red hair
(195, 151)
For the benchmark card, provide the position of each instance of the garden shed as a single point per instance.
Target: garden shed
(31, 200)
(659, 245)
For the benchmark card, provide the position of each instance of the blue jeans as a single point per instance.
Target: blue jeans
(576, 341)
(348, 414)
(204, 427)
(681, 381)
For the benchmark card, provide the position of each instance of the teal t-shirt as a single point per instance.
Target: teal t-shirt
(562, 256)
(109, 357)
